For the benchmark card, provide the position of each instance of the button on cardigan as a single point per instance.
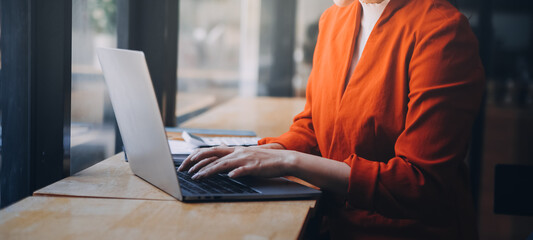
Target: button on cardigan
(402, 123)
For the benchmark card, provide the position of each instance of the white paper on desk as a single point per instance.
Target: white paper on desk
(180, 147)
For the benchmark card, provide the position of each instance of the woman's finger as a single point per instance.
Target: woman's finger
(185, 164)
(219, 151)
(224, 164)
(202, 163)
(204, 153)
(241, 171)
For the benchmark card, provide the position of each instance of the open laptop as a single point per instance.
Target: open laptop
(137, 113)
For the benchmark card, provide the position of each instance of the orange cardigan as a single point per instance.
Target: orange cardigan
(402, 123)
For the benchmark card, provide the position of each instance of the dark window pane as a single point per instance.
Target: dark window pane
(223, 45)
(92, 129)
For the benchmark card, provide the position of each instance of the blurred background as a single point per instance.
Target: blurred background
(226, 48)
(230, 48)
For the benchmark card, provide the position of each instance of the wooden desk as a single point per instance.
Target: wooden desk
(108, 201)
(113, 178)
(268, 117)
(93, 218)
(187, 103)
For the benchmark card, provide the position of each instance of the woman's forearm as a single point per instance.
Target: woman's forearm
(270, 160)
(324, 173)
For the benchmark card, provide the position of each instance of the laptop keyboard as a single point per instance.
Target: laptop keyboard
(216, 184)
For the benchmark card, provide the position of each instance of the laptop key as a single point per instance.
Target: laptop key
(217, 184)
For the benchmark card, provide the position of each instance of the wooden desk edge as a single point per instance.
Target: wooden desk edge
(119, 158)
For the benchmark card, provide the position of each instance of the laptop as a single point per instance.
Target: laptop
(145, 141)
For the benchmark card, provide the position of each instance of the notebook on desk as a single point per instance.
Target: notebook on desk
(141, 127)
(198, 141)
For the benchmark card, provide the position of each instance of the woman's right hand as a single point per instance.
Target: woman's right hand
(204, 156)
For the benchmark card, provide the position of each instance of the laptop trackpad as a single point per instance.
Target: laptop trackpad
(272, 185)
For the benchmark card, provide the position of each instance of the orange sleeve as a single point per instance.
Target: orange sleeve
(301, 135)
(446, 82)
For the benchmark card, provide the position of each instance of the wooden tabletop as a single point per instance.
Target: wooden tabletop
(187, 103)
(111, 178)
(94, 218)
(267, 116)
(108, 201)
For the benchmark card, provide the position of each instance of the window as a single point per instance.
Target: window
(308, 14)
(244, 48)
(92, 117)
(208, 53)
(34, 95)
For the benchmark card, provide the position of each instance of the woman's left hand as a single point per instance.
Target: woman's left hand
(241, 161)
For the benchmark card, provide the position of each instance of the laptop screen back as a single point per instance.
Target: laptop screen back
(137, 113)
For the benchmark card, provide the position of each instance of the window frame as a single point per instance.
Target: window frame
(36, 79)
(35, 97)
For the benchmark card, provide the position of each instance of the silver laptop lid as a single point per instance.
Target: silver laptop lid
(137, 113)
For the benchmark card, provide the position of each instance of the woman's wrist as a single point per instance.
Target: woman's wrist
(323, 173)
(290, 163)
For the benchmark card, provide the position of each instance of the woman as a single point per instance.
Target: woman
(384, 130)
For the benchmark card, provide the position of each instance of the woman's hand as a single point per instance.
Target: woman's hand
(262, 161)
(270, 160)
(212, 154)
